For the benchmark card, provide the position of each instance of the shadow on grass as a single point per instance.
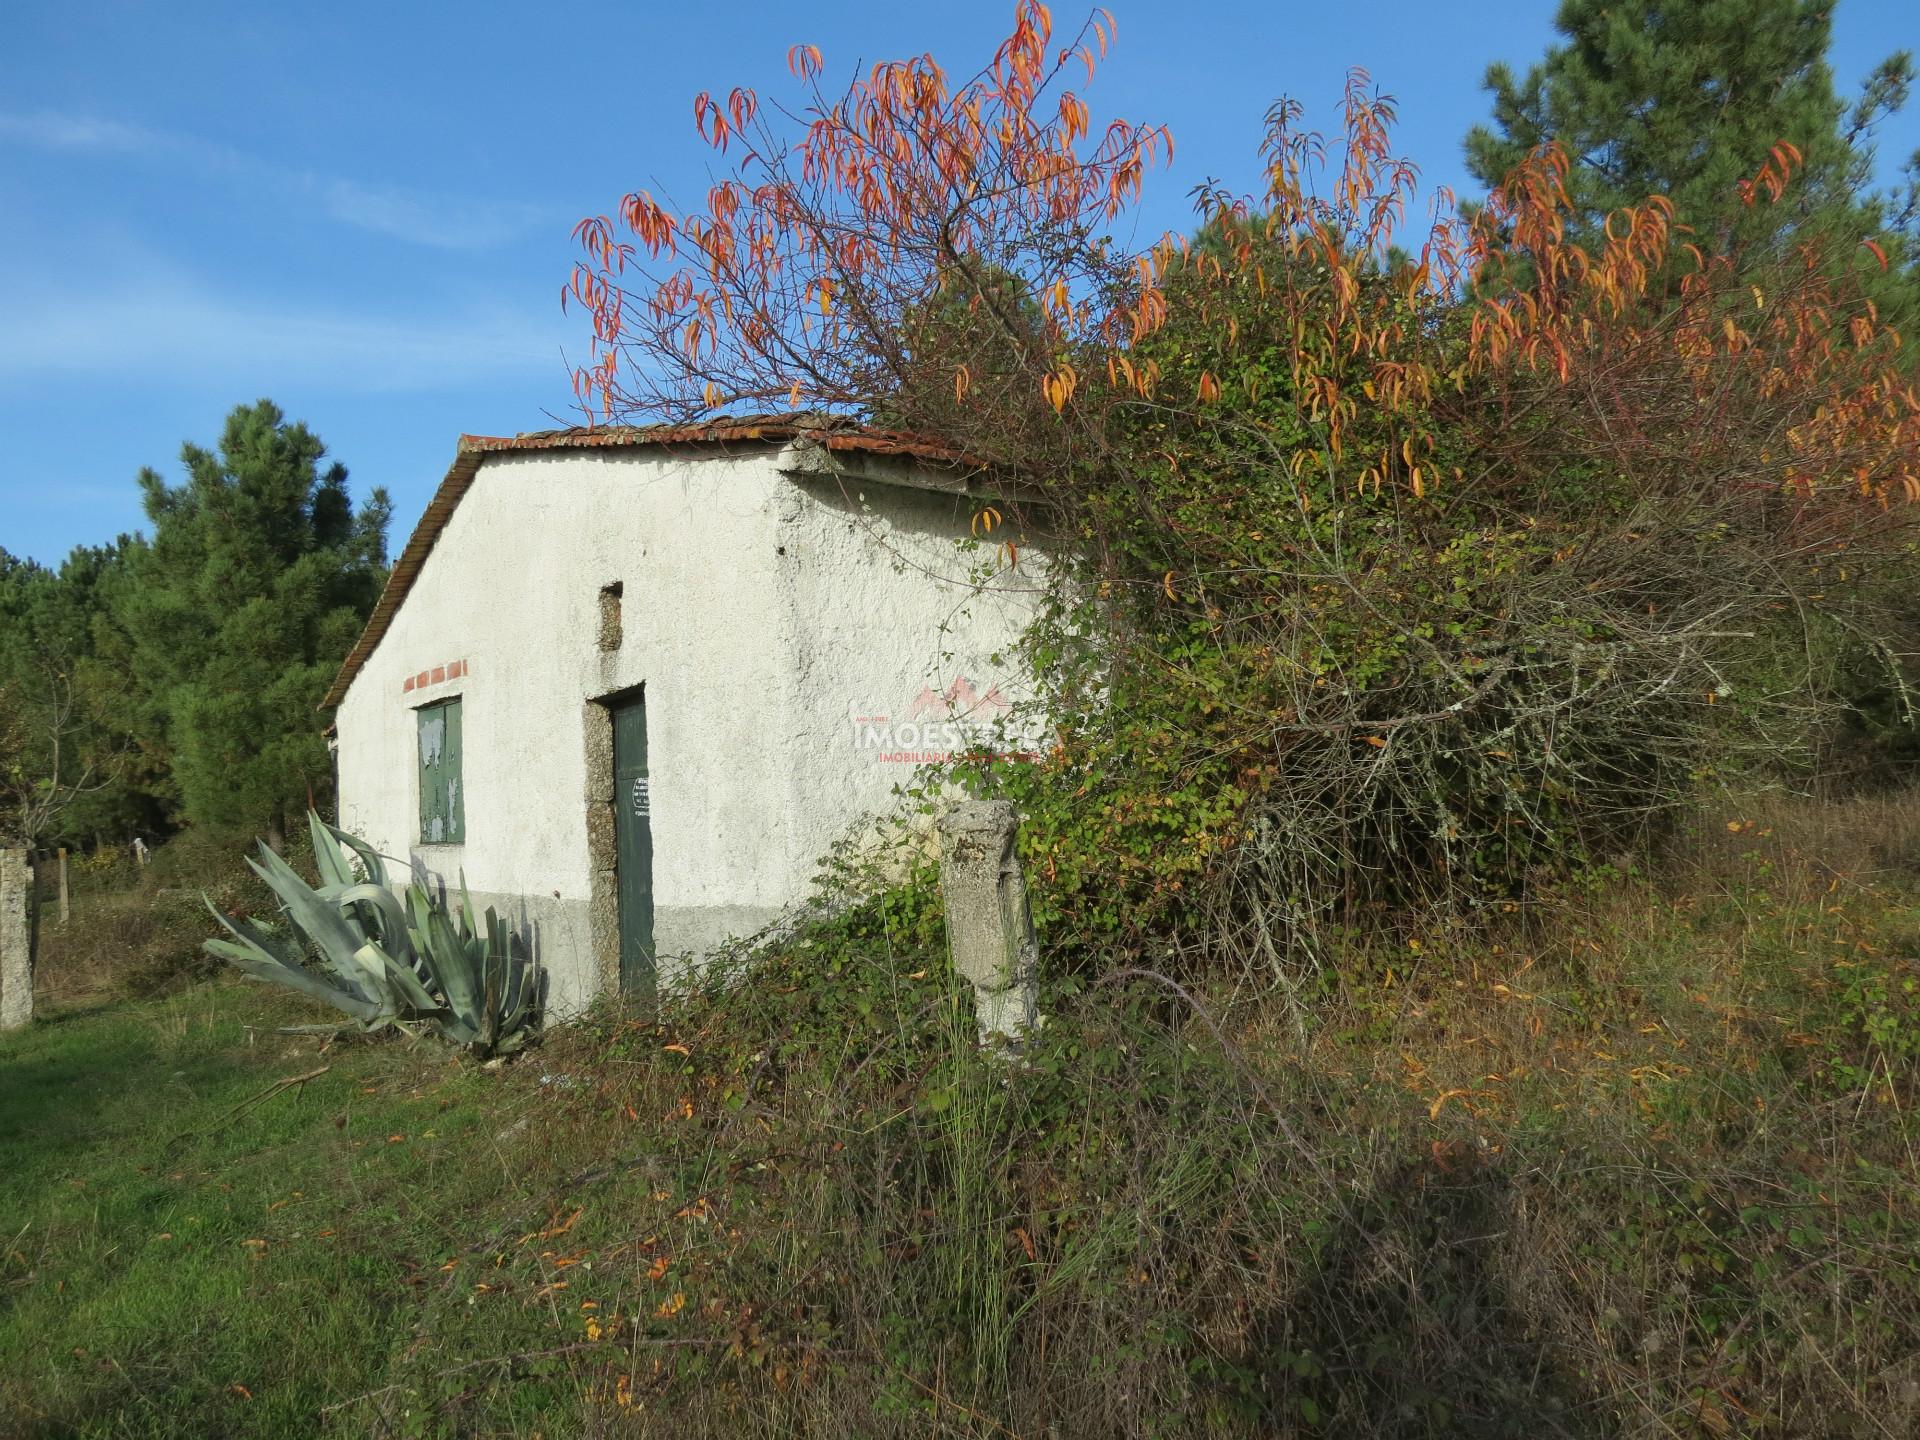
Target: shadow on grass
(57, 1078)
(1406, 1327)
(82, 1078)
(54, 1019)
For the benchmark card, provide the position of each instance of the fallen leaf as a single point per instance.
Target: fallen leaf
(1440, 1101)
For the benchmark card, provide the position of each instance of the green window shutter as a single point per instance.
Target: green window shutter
(443, 816)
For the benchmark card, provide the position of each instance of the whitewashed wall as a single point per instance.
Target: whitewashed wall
(762, 613)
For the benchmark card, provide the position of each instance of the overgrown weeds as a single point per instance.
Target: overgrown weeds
(1637, 1164)
(137, 930)
(1656, 1179)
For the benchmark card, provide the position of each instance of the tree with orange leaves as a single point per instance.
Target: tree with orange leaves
(799, 283)
(1385, 573)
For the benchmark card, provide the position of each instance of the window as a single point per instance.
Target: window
(442, 807)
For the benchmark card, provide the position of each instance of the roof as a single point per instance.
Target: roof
(832, 434)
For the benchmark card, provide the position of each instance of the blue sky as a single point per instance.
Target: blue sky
(362, 210)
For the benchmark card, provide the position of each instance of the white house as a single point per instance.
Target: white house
(634, 683)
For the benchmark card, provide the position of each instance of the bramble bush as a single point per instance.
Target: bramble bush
(1290, 695)
(1378, 577)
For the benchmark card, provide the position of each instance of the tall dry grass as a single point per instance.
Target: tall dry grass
(1637, 1162)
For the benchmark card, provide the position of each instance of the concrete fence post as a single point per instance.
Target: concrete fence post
(16, 940)
(65, 911)
(989, 922)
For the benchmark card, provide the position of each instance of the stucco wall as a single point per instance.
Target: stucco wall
(761, 612)
(883, 603)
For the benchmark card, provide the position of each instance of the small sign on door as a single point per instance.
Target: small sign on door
(642, 800)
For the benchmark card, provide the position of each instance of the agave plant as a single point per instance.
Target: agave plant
(357, 945)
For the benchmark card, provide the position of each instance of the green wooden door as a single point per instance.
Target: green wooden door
(633, 829)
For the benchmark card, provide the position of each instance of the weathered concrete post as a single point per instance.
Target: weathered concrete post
(989, 923)
(16, 941)
(65, 910)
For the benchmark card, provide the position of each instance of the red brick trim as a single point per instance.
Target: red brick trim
(438, 675)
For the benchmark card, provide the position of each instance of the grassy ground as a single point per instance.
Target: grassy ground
(1642, 1165)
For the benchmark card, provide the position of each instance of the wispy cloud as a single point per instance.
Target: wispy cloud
(49, 131)
(153, 332)
(418, 217)
(405, 215)
(55, 495)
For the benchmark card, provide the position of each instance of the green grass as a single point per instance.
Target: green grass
(183, 1262)
(1643, 1166)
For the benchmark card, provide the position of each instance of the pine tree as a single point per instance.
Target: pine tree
(64, 745)
(258, 576)
(1684, 98)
